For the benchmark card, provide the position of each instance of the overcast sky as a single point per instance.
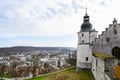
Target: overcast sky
(51, 22)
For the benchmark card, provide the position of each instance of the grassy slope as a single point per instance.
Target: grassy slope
(69, 74)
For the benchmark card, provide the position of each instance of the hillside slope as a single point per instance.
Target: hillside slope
(69, 74)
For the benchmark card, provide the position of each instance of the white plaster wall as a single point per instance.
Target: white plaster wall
(93, 35)
(94, 66)
(85, 38)
(100, 75)
(83, 51)
(99, 66)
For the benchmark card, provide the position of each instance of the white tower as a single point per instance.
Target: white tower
(84, 50)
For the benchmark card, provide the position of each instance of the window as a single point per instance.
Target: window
(82, 34)
(86, 58)
(82, 41)
(115, 31)
(119, 64)
(114, 25)
(86, 19)
(107, 39)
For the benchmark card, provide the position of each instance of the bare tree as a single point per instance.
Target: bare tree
(13, 69)
(35, 62)
(1, 70)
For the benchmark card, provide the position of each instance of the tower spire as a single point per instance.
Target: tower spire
(86, 10)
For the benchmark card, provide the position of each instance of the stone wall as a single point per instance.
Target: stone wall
(109, 39)
(98, 68)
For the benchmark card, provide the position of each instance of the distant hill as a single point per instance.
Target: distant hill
(17, 49)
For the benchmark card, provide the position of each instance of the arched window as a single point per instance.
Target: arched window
(82, 34)
(116, 52)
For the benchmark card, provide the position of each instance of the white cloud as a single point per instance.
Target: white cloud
(54, 17)
(49, 18)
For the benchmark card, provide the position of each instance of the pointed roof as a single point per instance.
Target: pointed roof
(86, 26)
(86, 12)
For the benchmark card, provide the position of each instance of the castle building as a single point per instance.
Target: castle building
(84, 49)
(106, 54)
(109, 41)
(100, 54)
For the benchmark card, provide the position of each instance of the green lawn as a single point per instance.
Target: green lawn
(69, 74)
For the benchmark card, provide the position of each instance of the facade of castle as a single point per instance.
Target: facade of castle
(109, 41)
(100, 54)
